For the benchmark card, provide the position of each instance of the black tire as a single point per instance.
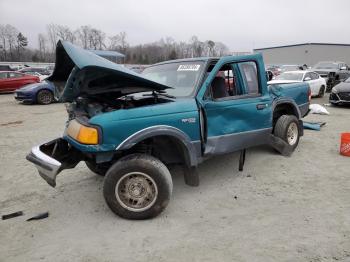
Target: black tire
(146, 175)
(98, 169)
(321, 91)
(44, 97)
(285, 122)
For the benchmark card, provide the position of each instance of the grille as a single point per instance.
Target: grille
(344, 96)
(19, 94)
(333, 97)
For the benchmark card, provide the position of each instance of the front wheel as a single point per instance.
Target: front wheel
(138, 186)
(44, 97)
(321, 91)
(287, 128)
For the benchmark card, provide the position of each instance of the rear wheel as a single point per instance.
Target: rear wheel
(44, 97)
(138, 186)
(287, 128)
(321, 91)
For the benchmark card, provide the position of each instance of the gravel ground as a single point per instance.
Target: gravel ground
(278, 209)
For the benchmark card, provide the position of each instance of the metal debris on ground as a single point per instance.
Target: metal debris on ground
(313, 125)
(12, 215)
(40, 216)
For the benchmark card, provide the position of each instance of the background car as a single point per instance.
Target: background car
(10, 81)
(6, 68)
(316, 82)
(286, 68)
(333, 71)
(275, 69)
(41, 77)
(40, 70)
(41, 93)
(340, 93)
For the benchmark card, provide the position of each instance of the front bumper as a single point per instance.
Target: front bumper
(53, 157)
(339, 98)
(24, 97)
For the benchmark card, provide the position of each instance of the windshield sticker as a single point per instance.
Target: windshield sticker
(188, 67)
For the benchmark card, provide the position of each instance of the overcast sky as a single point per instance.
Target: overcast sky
(242, 25)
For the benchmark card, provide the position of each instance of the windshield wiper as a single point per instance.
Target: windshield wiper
(158, 93)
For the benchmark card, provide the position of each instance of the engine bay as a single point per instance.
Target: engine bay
(89, 106)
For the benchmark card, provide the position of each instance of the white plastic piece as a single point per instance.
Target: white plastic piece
(318, 109)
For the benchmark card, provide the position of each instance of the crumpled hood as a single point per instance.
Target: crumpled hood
(171, 109)
(86, 73)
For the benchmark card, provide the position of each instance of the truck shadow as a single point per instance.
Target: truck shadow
(223, 168)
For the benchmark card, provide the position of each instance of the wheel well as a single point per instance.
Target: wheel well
(168, 149)
(46, 89)
(284, 109)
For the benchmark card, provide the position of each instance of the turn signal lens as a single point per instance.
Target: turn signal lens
(81, 133)
(88, 135)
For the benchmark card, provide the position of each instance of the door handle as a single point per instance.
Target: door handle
(261, 106)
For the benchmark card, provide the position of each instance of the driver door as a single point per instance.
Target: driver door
(237, 120)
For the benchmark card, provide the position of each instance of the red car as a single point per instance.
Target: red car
(10, 81)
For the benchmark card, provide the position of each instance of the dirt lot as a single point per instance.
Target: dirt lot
(277, 209)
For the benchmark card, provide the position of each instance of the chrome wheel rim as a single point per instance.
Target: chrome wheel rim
(292, 133)
(136, 191)
(44, 97)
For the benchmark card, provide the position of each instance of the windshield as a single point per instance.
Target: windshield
(347, 80)
(290, 76)
(326, 65)
(182, 76)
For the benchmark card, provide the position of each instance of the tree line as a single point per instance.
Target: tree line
(14, 45)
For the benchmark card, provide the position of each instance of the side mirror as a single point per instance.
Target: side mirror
(343, 68)
(307, 78)
(269, 75)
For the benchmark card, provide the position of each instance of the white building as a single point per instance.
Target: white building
(308, 53)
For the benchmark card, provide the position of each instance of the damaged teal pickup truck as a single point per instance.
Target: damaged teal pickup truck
(130, 127)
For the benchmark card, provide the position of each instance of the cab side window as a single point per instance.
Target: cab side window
(234, 81)
(225, 84)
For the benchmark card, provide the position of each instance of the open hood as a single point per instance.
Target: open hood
(85, 73)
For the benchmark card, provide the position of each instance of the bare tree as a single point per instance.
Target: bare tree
(22, 42)
(210, 44)
(64, 33)
(118, 42)
(197, 46)
(96, 39)
(52, 35)
(3, 42)
(11, 33)
(13, 45)
(221, 49)
(42, 47)
(83, 35)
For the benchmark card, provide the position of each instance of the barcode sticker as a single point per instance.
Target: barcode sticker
(188, 67)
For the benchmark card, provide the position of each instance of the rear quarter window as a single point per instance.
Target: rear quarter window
(250, 77)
